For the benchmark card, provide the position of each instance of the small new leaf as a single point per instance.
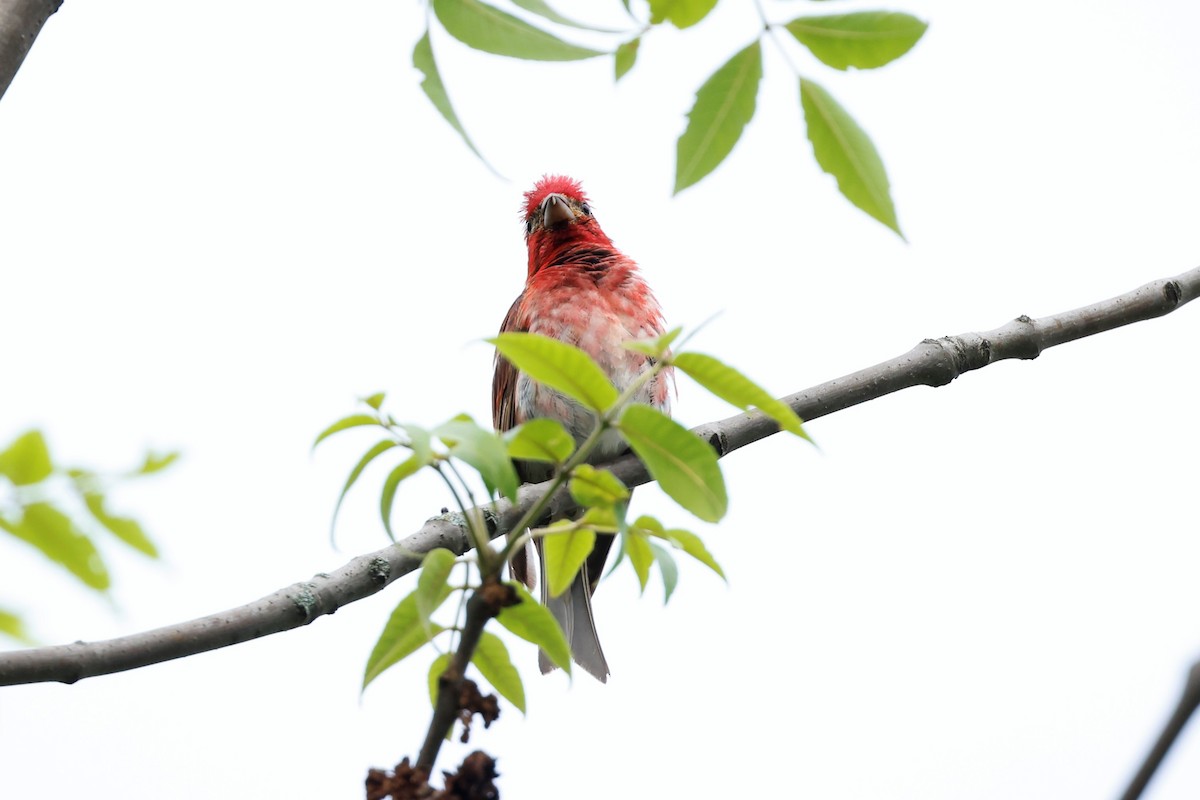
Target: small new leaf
(352, 421)
(127, 530)
(565, 554)
(378, 449)
(534, 623)
(863, 40)
(387, 497)
(403, 635)
(156, 462)
(637, 547)
(540, 439)
(685, 467)
(432, 590)
(691, 544)
(724, 105)
(735, 388)
(436, 669)
(593, 487)
(27, 459)
(657, 346)
(844, 150)
(559, 366)
(667, 568)
(491, 657)
(626, 56)
(12, 626)
(53, 532)
(484, 450)
(374, 400)
(491, 30)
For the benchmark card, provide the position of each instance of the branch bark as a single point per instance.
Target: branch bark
(933, 362)
(20, 23)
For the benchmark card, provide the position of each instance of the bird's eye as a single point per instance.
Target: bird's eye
(586, 209)
(528, 227)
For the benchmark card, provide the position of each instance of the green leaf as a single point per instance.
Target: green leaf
(378, 449)
(375, 400)
(540, 439)
(667, 568)
(559, 366)
(640, 555)
(436, 669)
(735, 388)
(420, 441)
(534, 623)
(491, 30)
(656, 346)
(402, 636)
(864, 40)
(484, 450)
(594, 487)
(126, 529)
(27, 459)
(685, 467)
(491, 657)
(543, 10)
(845, 151)
(387, 497)
(352, 421)
(565, 554)
(680, 13)
(156, 462)
(12, 626)
(53, 532)
(690, 543)
(626, 56)
(724, 104)
(435, 90)
(432, 590)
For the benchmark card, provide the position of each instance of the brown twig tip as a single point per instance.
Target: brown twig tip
(475, 779)
(405, 782)
(472, 702)
(497, 596)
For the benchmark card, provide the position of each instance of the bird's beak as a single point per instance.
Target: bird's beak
(556, 211)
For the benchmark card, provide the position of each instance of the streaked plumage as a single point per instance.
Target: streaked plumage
(582, 290)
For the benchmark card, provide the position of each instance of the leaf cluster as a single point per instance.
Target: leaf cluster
(59, 510)
(685, 466)
(726, 101)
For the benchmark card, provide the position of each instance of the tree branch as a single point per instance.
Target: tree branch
(933, 362)
(1189, 701)
(20, 23)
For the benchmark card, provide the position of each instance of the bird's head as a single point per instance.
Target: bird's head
(557, 217)
(553, 203)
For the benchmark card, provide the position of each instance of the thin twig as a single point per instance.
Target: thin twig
(933, 362)
(1189, 701)
(485, 603)
(20, 23)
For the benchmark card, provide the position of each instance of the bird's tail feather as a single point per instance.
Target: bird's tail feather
(573, 610)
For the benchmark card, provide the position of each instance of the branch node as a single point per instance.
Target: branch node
(306, 599)
(1173, 292)
(379, 570)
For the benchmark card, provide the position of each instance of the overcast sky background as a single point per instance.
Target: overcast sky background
(222, 222)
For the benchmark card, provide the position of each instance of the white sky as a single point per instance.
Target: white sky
(222, 222)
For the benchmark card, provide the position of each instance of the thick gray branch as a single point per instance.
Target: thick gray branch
(20, 23)
(933, 362)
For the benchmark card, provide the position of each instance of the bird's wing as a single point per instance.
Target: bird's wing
(504, 379)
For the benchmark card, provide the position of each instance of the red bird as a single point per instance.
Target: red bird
(582, 290)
